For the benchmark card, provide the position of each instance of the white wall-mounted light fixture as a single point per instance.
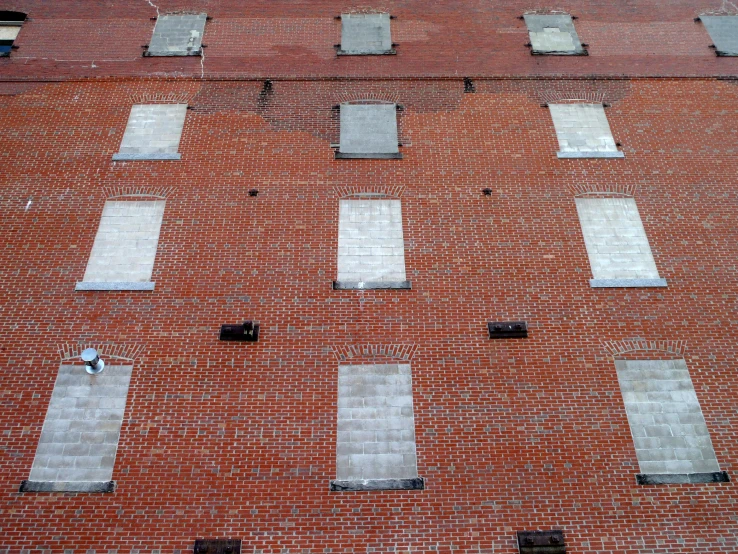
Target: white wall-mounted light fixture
(93, 363)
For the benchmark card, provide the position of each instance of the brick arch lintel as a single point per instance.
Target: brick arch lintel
(360, 191)
(631, 347)
(725, 9)
(184, 97)
(603, 191)
(546, 11)
(128, 352)
(355, 352)
(122, 191)
(388, 97)
(565, 97)
(365, 9)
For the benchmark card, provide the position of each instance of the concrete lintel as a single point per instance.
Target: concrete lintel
(373, 285)
(564, 155)
(413, 484)
(379, 156)
(682, 478)
(114, 285)
(626, 283)
(67, 486)
(122, 157)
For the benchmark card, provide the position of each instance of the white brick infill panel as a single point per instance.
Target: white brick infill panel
(79, 438)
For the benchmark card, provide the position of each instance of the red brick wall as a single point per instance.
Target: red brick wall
(278, 39)
(235, 440)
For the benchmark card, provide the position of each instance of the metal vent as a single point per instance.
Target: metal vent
(541, 542)
(247, 331)
(507, 329)
(227, 546)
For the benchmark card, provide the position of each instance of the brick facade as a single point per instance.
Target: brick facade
(239, 440)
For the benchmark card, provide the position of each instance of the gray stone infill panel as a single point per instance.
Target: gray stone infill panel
(376, 429)
(79, 438)
(617, 246)
(124, 251)
(177, 35)
(371, 247)
(368, 130)
(153, 132)
(723, 31)
(553, 35)
(365, 34)
(669, 431)
(583, 131)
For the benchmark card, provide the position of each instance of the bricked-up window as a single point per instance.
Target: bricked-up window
(375, 447)
(723, 31)
(79, 439)
(124, 251)
(553, 35)
(368, 131)
(583, 131)
(671, 439)
(618, 249)
(153, 132)
(365, 34)
(371, 248)
(10, 25)
(177, 35)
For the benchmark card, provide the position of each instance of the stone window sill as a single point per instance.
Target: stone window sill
(681, 478)
(566, 155)
(114, 285)
(169, 54)
(414, 484)
(119, 157)
(390, 52)
(626, 283)
(67, 486)
(559, 53)
(370, 285)
(359, 155)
